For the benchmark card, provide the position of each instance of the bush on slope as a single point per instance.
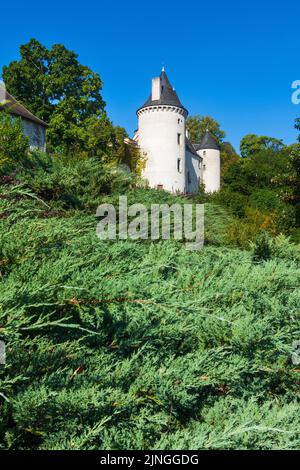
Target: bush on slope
(130, 345)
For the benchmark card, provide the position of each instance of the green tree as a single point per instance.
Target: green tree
(228, 157)
(251, 144)
(248, 174)
(290, 182)
(46, 80)
(54, 86)
(197, 126)
(297, 126)
(57, 88)
(14, 146)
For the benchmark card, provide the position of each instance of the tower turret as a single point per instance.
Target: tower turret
(209, 150)
(161, 136)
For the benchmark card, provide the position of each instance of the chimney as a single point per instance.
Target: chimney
(155, 88)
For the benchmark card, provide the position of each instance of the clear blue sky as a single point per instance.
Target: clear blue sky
(233, 60)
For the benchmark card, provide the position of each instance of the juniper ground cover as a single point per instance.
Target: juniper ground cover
(141, 345)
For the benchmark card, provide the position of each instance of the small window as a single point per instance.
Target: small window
(178, 121)
(204, 153)
(179, 165)
(178, 139)
(160, 187)
(189, 177)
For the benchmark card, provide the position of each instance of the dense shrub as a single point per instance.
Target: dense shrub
(14, 146)
(257, 171)
(132, 345)
(262, 248)
(265, 200)
(234, 201)
(140, 344)
(242, 231)
(74, 183)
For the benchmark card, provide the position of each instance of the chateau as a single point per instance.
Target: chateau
(173, 162)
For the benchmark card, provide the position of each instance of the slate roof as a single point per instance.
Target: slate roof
(207, 142)
(168, 95)
(14, 107)
(191, 148)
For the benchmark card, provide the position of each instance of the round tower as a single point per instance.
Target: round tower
(161, 137)
(209, 150)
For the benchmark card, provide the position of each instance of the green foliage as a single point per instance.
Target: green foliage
(75, 184)
(53, 82)
(67, 95)
(297, 126)
(289, 181)
(138, 345)
(235, 201)
(197, 126)
(57, 88)
(252, 144)
(265, 199)
(249, 188)
(244, 231)
(262, 249)
(256, 172)
(14, 146)
(228, 158)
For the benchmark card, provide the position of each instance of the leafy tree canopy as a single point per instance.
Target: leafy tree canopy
(197, 126)
(289, 180)
(49, 80)
(252, 144)
(297, 126)
(54, 86)
(228, 157)
(246, 175)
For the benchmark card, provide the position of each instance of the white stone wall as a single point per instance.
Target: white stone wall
(36, 135)
(211, 172)
(159, 127)
(193, 172)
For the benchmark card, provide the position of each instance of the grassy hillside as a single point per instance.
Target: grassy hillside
(138, 345)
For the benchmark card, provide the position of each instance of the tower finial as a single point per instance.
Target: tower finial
(163, 68)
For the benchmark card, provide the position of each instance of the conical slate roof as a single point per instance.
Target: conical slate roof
(168, 95)
(207, 142)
